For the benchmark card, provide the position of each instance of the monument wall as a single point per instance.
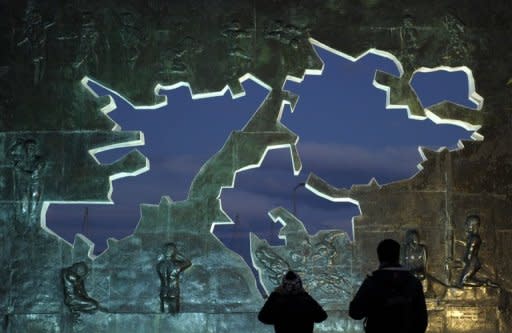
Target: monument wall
(54, 51)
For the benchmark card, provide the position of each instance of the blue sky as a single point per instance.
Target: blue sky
(346, 136)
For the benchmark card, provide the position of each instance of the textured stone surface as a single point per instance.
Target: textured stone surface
(48, 47)
(325, 261)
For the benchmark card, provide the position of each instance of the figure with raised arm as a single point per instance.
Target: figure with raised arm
(169, 269)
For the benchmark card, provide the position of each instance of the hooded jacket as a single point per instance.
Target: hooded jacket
(391, 299)
(291, 309)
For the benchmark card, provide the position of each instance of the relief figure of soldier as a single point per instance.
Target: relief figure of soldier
(169, 269)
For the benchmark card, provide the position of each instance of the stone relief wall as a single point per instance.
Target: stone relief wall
(324, 261)
(50, 125)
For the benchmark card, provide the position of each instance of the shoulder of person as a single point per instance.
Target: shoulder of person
(371, 278)
(306, 295)
(392, 270)
(274, 295)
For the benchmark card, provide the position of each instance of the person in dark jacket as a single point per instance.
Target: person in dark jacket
(390, 299)
(290, 308)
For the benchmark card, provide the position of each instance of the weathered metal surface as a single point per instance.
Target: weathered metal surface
(324, 261)
(50, 125)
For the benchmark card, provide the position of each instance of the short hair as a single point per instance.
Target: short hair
(388, 250)
(291, 275)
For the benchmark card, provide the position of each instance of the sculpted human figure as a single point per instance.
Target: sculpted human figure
(415, 260)
(28, 164)
(415, 255)
(169, 269)
(35, 40)
(234, 33)
(470, 260)
(75, 295)
(87, 57)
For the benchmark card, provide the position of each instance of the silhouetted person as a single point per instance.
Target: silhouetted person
(169, 269)
(290, 308)
(390, 299)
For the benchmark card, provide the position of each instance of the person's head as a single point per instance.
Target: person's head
(170, 250)
(30, 147)
(472, 223)
(388, 251)
(412, 236)
(80, 269)
(291, 283)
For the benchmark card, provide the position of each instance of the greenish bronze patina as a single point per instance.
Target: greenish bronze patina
(51, 126)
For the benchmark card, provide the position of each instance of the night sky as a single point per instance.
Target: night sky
(346, 137)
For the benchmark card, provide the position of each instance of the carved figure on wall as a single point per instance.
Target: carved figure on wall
(169, 268)
(273, 264)
(75, 295)
(414, 258)
(237, 47)
(175, 61)
(415, 254)
(470, 260)
(324, 260)
(35, 39)
(408, 42)
(132, 37)
(28, 164)
(456, 47)
(234, 33)
(170, 63)
(301, 252)
(89, 35)
(298, 242)
(326, 252)
(331, 280)
(178, 65)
